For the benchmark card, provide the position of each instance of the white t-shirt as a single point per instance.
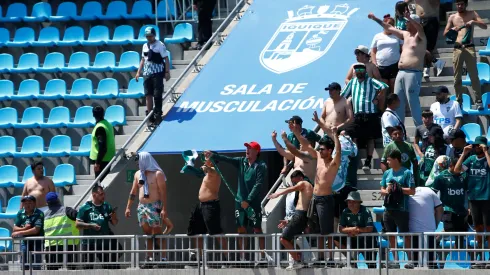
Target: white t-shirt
(388, 48)
(149, 67)
(445, 114)
(388, 119)
(421, 210)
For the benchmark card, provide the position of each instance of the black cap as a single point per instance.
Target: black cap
(295, 119)
(333, 86)
(457, 134)
(28, 198)
(441, 89)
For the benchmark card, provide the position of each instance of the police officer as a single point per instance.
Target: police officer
(103, 142)
(59, 221)
(155, 66)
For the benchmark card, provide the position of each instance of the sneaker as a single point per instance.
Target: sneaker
(393, 265)
(409, 266)
(295, 265)
(148, 263)
(479, 105)
(426, 72)
(367, 165)
(439, 66)
(478, 266)
(487, 266)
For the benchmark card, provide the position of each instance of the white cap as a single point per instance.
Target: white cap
(415, 18)
(363, 49)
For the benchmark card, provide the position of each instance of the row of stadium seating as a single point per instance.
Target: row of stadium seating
(64, 176)
(33, 146)
(79, 62)
(92, 10)
(59, 117)
(82, 88)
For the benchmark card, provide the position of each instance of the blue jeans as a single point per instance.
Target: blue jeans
(33, 245)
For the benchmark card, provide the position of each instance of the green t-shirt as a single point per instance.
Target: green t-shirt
(478, 178)
(308, 134)
(101, 215)
(36, 219)
(401, 23)
(452, 191)
(408, 155)
(404, 177)
(363, 218)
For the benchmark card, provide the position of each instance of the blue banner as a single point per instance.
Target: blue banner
(274, 64)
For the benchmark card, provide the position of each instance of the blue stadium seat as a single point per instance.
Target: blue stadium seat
(5, 245)
(115, 115)
(472, 130)
(129, 62)
(7, 146)
(41, 11)
(28, 90)
(457, 260)
(83, 118)
(53, 63)
(166, 10)
(141, 36)
(55, 89)
(135, 89)
(81, 88)
(66, 12)
(32, 146)
(108, 88)
(60, 146)
(12, 208)
(4, 36)
(33, 117)
(104, 62)
(169, 54)
(7, 62)
(47, 37)
(91, 11)
(183, 32)
(379, 210)
(6, 89)
(28, 63)
(15, 13)
(485, 51)
(73, 36)
(141, 10)
(123, 35)
(116, 10)
(483, 74)
(466, 105)
(59, 117)
(23, 37)
(84, 148)
(486, 104)
(98, 36)
(64, 175)
(8, 117)
(79, 62)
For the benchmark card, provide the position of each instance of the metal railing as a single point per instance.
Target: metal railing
(192, 64)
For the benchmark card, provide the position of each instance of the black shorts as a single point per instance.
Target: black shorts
(153, 84)
(350, 130)
(454, 222)
(324, 206)
(368, 126)
(431, 30)
(296, 225)
(340, 198)
(205, 218)
(393, 219)
(480, 212)
(388, 72)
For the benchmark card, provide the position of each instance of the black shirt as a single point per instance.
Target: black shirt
(422, 133)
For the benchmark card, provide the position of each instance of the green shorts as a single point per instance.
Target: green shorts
(250, 217)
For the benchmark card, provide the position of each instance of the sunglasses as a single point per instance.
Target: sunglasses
(359, 70)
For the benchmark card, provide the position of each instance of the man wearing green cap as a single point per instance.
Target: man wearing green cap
(478, 170)
(156, 66)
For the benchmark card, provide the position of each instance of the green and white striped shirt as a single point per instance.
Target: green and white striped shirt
(363, 94)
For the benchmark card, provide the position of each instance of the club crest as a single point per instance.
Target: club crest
(304, 37)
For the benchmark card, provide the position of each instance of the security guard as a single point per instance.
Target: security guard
(59, 221)
(103, 142)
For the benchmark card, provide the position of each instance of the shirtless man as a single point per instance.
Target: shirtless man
(409, 78)
(302, 161)
(299, 221)
(337, 111)
(38, 186)
(150, 180)
(461, 25)
(362, 55)
(206, 216)
(326, 172)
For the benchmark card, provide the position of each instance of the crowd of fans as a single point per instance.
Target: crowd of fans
(426, 179)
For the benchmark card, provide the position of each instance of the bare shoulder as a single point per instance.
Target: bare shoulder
(475, 15)
(160, 175)
(137, 174)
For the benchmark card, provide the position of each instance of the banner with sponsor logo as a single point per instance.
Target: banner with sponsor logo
(274, 64)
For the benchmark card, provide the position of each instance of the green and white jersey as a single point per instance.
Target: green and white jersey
(363, 93)
(478, 178)
(452, 191)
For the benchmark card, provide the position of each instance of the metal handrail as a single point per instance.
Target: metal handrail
(169, 91)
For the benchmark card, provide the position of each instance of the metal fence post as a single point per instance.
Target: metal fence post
(133, 247)
(65, 256)
(137, 247)
(198, 261)
(204, 261)
(348, 252)
(380, 251)
(387, 257)
(30, 259)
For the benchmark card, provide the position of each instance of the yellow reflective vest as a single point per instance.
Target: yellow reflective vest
(58, 224)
